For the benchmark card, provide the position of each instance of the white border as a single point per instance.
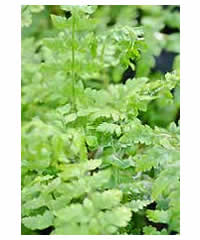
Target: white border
(10, 120)
(10, 117)
(190, 120)
(101, 2)
(100, 237)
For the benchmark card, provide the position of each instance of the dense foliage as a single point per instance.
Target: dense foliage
(100, 151)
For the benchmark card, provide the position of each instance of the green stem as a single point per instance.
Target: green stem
(25, 8)
(73, 63)
(102, 63)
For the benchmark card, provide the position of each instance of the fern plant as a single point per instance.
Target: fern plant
(90, 165)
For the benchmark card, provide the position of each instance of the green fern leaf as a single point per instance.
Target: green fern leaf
(39, 221)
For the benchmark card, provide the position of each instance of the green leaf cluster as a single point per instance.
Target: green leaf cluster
(90, 164)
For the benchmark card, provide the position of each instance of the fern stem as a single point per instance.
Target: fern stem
(102, 63)
(73, 62)
(25, 8)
